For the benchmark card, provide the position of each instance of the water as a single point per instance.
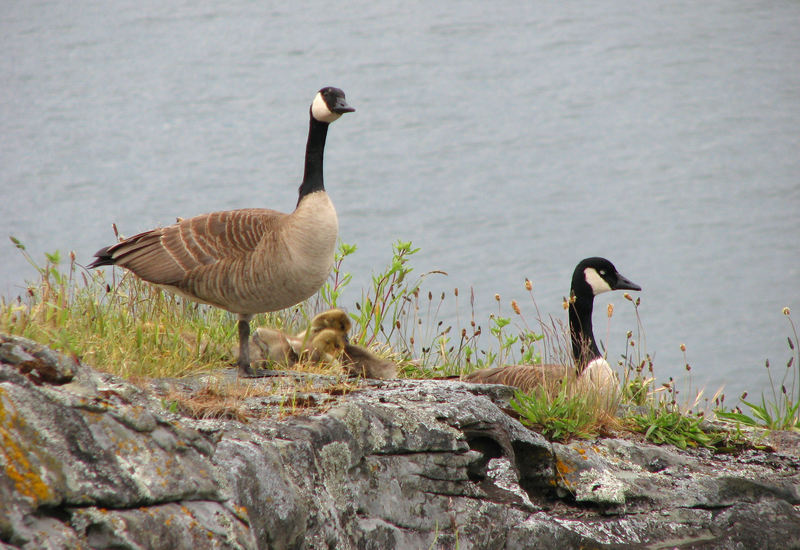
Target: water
(505, 140)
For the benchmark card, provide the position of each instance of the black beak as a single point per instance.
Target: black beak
(341, 106)
(625, 284)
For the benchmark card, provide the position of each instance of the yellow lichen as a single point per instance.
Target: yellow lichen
(18, 467)
(563, 468)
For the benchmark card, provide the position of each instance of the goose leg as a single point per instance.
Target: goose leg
(244, 346)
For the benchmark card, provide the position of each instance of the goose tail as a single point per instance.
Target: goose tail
(102, 257)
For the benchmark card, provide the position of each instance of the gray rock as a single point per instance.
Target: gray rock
(91, 461)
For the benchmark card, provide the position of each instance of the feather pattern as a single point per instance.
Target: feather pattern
(524, 377)
(246, 261)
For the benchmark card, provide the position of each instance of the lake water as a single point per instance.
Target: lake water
(506, 139)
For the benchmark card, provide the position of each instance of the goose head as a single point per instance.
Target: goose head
(594, 276)
(334, 319)
(329, 104)
(327, 346)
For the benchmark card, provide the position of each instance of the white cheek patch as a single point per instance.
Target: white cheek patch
(598, 284)
(320, 110)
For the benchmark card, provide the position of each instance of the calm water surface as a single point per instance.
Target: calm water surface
(506, 140)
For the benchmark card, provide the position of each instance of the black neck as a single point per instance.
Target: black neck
(584, 348)
(315, 151)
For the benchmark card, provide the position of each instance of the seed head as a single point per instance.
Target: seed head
(683, 347)
(627, 297)
(456, 292)
(610, 310)
(528, 284)
(497, 297)
(786, 311)
(515, 307)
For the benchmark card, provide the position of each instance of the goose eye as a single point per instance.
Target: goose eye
(603, 272)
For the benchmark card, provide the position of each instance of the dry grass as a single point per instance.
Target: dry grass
(243, 400)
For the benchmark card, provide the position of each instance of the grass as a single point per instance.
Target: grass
(675, 428)
(235, 399)
(124, 326)
(564, 415)
(782, 412)
(115, 322)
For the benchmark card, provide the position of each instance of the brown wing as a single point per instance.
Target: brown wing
(167, 255)
(524, 377)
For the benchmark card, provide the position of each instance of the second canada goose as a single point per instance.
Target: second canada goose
(251, 260)
(592, 276)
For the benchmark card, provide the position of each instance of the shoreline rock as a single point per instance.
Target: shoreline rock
(92, 461)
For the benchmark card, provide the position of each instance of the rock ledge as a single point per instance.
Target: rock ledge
(91, 461)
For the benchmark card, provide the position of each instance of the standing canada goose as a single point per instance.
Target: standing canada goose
(251, 260)
(591, 277)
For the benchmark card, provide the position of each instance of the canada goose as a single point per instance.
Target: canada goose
(276, 346)
(335, 319)
(358, 361)
(251, 260)
(273, 345)
(591, 277)
(327, 346)
(320, 342)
